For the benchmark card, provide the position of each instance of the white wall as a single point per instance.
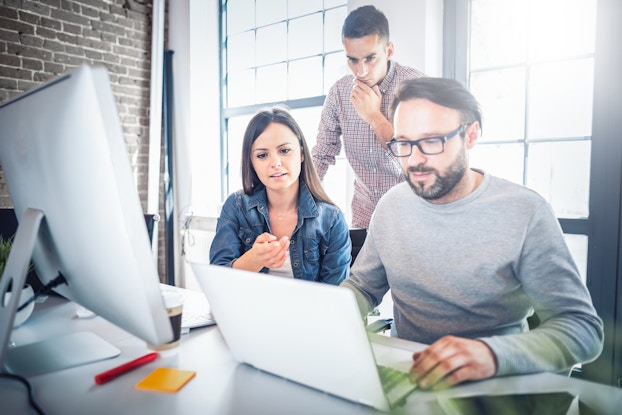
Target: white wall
(193, 37)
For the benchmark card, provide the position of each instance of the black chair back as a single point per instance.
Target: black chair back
(357, 236)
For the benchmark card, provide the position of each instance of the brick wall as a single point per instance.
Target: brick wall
(44, 38)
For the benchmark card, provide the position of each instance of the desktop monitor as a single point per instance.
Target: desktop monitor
(67, 168)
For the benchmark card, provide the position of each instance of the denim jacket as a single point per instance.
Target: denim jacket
(320, 246)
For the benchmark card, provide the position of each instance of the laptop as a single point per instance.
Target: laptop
(307, 332)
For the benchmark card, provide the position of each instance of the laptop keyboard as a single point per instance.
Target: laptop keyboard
(196, 312)
(390, 377)
(192, 319)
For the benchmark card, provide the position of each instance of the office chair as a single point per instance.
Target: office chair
(357, 237)
(151, 220)
(9, 223)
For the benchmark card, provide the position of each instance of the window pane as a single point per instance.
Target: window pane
(498, 32)
(501, 95)
(240, 15)
(305, 36)
(333, 3)
(335, 185)
(546, 49)
(335, 67)
(501, 160)
(308, 119)
(271, 11)
(272, 44)
(560, 99)
(333, 22)
(270, 85)
(577, 244)
(303, 78)
(241, 50)
(554, 29)
(241, 88)
(297, 8)
(560, 173)
(236, 128)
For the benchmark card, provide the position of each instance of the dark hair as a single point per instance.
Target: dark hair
(364, 21)
(442, 91)
(256, 126)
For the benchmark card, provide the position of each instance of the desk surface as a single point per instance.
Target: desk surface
(221, 385)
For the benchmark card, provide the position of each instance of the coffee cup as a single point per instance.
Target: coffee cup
(174, 303)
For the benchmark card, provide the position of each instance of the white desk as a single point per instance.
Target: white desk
(221, 386)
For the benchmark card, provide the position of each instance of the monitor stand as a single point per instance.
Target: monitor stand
(51, 354)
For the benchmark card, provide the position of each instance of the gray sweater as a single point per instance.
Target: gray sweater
(477, 268)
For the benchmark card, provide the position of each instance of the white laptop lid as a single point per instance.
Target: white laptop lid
(308, 332)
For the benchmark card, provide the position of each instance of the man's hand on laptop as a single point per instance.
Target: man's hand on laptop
(452, 360)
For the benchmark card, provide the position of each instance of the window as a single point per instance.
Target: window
(273, 51)
(531, 66)
(577, 44)
(600, 230)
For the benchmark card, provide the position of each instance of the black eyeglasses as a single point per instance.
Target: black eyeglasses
(429, 145)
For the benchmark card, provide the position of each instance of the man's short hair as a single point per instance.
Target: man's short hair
(364, 21)
(442, 91)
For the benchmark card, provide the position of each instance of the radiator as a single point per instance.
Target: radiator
(197, 238)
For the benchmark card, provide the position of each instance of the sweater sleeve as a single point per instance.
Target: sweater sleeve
(368, 278)
(570, 330)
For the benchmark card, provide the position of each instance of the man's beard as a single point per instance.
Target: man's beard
(443, 184)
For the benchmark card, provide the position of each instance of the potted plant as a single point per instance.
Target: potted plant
(27, 291)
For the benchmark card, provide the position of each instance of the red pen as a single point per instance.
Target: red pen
(124, 368)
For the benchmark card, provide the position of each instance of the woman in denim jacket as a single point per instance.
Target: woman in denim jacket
(282, 222)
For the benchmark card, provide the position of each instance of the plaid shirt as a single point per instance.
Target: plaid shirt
(376, 170)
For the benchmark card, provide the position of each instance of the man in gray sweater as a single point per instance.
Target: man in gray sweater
(468, 256)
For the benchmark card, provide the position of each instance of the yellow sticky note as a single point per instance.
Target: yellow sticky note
(165, 379)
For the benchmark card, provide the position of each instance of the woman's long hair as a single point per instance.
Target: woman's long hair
(256, 126)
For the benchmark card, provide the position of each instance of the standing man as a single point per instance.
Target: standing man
(468, 256)
(355, 111)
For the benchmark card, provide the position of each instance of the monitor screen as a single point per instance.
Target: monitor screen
(63, 154)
